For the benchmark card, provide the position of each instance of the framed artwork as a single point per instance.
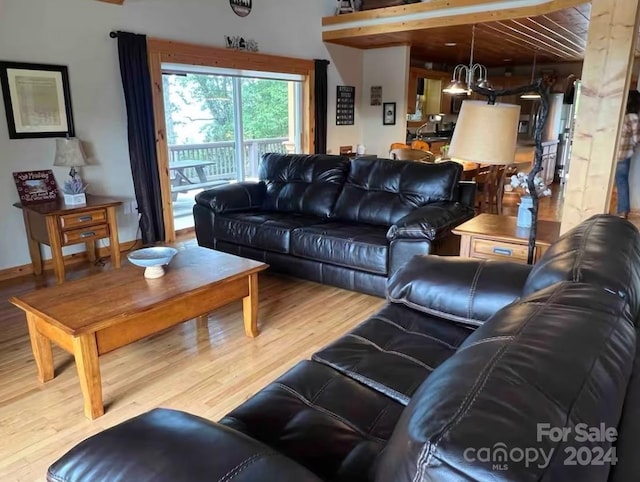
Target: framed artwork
(389, 113)
(241, 8)
(37, 100)
(376, 95)
(36, 186)
(345, 105)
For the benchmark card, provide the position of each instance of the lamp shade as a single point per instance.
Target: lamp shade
(486, 134)
(69, 153)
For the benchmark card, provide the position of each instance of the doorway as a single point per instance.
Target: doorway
(219, 122)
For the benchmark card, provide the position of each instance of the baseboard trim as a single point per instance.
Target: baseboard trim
(69, 260)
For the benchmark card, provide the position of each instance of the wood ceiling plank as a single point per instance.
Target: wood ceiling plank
(550, 38)
(377, 13)
(523, 42)
(571, 37)
(445, 21)
(558, 36)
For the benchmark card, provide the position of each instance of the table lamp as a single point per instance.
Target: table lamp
(69, 153)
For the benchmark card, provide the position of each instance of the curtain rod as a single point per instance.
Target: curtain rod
(113, 34)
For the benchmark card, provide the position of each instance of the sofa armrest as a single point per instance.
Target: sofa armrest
(467, 193)
(431, 222)
(239, 196)
(463, 290)
(169, 446)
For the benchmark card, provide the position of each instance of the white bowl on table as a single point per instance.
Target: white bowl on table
(153, 259)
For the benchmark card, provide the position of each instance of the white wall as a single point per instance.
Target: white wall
(388, 67)
(75, 33)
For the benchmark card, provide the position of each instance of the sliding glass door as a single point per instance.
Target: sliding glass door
(219, 123)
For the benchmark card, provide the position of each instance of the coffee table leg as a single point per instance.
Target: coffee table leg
(85, 351)
(41, 348)
(250, 307)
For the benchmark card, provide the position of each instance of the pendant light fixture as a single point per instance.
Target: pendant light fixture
(532, 94)
(462, 85)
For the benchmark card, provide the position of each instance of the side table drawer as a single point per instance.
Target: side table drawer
(76, 220)
(488, 249)
(85, 234)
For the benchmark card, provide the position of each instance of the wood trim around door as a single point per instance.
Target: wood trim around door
(167, 51)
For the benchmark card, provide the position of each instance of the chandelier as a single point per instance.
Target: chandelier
(464, 76)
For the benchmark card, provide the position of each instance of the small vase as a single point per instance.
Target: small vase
(524, 214)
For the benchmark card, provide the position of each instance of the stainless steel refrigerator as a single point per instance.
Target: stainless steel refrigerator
(568, 120)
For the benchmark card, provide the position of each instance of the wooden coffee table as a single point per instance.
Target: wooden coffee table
(93, 316)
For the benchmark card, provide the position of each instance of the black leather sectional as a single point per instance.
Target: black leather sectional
(335, 221)
(468, 367)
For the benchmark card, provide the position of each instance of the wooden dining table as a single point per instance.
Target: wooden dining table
(470, 169)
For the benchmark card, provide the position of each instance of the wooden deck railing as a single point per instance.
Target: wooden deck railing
(222, 156)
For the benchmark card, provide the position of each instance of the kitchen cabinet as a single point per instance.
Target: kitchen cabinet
(549, 154)
(433, 99)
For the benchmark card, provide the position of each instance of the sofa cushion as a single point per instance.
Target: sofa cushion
(381, 191)
(323, 420)
(301, 183)
(583, 254)
(465, 290)
(359, 246)
(561, 357)
(270, 231)
(395, 350)
(171, 446)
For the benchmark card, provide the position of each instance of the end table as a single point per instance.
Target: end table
(57, 225)
(493, 236)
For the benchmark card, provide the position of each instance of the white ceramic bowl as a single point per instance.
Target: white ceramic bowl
(152, 259)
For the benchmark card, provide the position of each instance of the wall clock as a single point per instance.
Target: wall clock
(242, 8)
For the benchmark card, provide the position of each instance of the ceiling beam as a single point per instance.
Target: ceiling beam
(438, 13)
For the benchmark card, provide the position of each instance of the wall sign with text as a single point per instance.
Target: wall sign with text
(242, 8)
(240, 43)
(345, 105)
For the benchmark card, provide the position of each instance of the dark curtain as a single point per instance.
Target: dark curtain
(320, 139)
(136, 82)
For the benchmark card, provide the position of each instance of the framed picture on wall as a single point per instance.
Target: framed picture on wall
(389, 113)
(37, 100)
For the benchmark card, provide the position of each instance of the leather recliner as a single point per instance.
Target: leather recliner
(348, 223)
(465, 370)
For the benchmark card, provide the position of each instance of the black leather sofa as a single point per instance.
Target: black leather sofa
(335, 221)
(469, 366)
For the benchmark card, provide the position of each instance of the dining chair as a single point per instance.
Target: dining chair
(421, 145)
(490, 189)
(398, 145)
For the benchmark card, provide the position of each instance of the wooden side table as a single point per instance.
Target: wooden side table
(57, 225)
(490, 236)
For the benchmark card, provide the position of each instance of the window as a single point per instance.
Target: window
(219, 122)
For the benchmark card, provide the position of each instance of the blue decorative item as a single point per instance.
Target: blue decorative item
(524, 212)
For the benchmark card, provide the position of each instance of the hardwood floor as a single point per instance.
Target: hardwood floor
(206, 369)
